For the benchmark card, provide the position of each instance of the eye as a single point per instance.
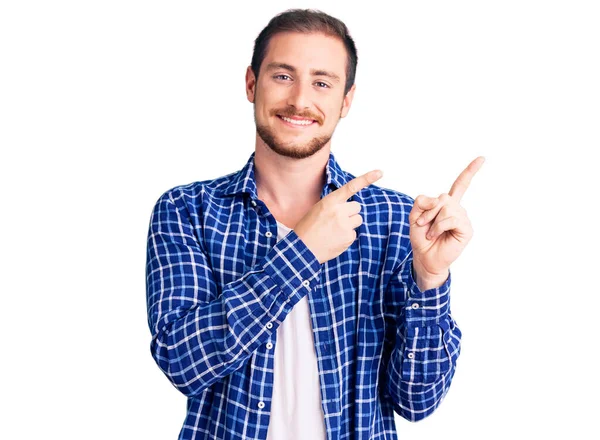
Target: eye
(280, 75)
(326, 85)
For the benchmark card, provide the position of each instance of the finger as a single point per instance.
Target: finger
(440, 210)
(356, 221)
(461, 184)
(458, 225)
(355, 185)
(429, 215)
(421, 204)
(425, 203)
(441, 226)
(350, 208)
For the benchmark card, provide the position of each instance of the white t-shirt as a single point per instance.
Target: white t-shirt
(296, 411)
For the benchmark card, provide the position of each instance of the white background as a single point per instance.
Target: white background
(105, 105)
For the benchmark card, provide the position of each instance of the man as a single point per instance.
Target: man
(291, 300)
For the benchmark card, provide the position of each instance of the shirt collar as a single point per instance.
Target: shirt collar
(243, 181)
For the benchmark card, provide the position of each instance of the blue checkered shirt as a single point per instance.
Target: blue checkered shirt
(219, 284)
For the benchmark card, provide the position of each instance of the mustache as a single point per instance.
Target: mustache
(288, 113)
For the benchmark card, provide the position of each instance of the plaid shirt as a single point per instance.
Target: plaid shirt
(219, 284)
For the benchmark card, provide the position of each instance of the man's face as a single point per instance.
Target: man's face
(302, 77)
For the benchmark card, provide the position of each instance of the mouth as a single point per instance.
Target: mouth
(296, 123)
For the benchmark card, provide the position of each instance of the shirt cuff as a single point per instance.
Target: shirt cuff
(429, 307)
(293, 267)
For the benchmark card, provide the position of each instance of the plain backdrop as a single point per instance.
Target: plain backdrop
(105, 105)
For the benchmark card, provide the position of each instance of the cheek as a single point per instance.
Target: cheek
(269, 101)
(332, 115)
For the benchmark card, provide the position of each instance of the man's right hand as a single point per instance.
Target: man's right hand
(328, 228)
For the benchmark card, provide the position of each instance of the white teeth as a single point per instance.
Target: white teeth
(293, 121)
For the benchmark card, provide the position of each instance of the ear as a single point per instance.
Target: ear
(347, 101)
(250, 84)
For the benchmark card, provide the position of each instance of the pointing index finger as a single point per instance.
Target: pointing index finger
(355, 185)
(461, 184)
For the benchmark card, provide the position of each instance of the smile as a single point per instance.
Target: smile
(296, 122)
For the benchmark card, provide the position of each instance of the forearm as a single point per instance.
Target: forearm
(197, 345)
(426, 347)
(421, 368)
(201, 331)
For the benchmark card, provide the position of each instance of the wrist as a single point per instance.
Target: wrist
(426, 280)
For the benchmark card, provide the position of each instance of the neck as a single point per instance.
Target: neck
(289, 182)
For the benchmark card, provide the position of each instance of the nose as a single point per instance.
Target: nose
(299, 96)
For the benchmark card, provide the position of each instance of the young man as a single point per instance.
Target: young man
(290, 299)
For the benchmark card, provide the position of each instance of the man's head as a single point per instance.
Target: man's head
(303, 67)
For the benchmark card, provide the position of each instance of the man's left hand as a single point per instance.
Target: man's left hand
(440, 228)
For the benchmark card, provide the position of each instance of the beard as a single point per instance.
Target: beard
(289, 149)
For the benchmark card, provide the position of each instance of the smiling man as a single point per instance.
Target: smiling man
(291, 299)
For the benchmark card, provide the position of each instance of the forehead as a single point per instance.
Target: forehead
(307, 51)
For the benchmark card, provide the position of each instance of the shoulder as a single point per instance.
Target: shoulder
(381, 197)
(191, 196)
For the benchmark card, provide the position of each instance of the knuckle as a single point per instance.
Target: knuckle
(424, 200)
(349, 238)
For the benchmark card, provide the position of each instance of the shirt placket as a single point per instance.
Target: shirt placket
(320, 314)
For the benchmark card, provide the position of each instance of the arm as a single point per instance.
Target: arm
(426, 346)
(202, 332)
(423, 341)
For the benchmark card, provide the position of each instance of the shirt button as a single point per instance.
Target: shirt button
(261, 405)
(411, 355)
(269, 325)
(269, 233)
(415, 306)
(306, 283)
(269, 345)
(253, 203)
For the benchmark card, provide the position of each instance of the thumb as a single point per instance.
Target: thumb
(421, 204)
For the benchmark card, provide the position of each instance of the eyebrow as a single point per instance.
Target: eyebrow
(315, 72)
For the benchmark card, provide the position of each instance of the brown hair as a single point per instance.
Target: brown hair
(306, 21)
